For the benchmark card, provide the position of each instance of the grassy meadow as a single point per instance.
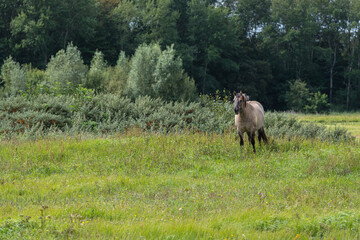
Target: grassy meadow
(350, 121)
(192, 185)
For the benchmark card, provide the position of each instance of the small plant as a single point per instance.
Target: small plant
(43, 218)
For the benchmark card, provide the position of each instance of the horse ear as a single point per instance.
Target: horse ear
(235, 93)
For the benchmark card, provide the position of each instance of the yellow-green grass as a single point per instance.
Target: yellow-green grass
(178, 186)
(350, 121)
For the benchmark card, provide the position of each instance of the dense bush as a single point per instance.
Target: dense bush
(97, 71)
(103, 114)
(66, 69)
(108, 113)
(297, 95)
(300, 99)
(282, 125)
(159, 74)
(317, 103)
(12, 77)
(116, 77)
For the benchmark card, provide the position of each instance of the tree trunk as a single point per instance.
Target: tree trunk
(204, 79)
(332, 66)
(348, 87)
(348, 91)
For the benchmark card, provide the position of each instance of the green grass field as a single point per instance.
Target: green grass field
(350, 121)
(178, 186)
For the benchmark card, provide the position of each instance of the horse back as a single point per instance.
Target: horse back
(257, 113)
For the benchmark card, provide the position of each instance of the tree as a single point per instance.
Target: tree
(97, 71)
(351, 44)
(66, 69)
(116, 77)
(253, 15)
(317, 103)
(143, 64)
(213, 36)
(8, 10)
(161, 18)
(43, 27)
(332, 17)
(297, 95)
(13, 77)
(127, 18)
(170, 81)
(157, 73)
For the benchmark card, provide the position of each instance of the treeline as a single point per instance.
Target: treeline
(285, 53)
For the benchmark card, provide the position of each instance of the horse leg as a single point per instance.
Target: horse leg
(252, 139)
(241, 138)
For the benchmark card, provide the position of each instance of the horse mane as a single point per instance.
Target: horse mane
(244, 97)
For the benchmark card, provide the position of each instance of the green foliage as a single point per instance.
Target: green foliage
(249, 45)
(297, 96)
(116, 77)
(35, 78)
(317, 103)
(170, 81)
(82, 111)
(43, 27)
(143, 64)
(97, 72)
(13, 77)
(66, 69)
(282, 125)
(161, 18)
(157, 73)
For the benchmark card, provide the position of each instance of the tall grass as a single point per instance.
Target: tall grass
(192, 185)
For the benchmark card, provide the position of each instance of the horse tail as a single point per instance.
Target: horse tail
(263, 135)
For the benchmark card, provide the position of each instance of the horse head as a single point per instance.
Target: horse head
(240, 101)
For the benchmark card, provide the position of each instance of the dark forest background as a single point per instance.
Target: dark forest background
(286, 54)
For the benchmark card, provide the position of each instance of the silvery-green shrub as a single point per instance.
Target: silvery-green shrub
(13, 77)
(66, 69)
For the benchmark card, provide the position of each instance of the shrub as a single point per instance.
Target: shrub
(170, 81)
(317, 103)
(116, 77)
(35, 78)
(13, 77)
(97, 72)
(159, 74)
(106, 113)
(143, 64)
(282, 125)
(297, 95)
(66, 69)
